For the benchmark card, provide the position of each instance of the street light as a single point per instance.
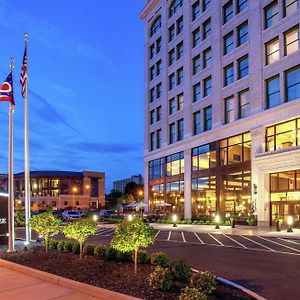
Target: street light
(140, 193)
(88, 187)
(74, 190)
(217, 221)
(174, 220)
(290, 221)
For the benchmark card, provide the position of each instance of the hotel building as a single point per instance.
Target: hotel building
(222, 107)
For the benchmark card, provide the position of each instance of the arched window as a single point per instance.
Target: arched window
(155, 25)
(175, 5)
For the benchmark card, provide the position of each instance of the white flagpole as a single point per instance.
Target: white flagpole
(11, 198)
(26, 156)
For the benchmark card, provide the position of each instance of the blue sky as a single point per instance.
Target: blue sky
(85, 84)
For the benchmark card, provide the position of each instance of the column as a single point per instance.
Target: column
(187, 184)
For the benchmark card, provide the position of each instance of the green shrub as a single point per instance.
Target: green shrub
(60, 246)
(204, 281)
(201, 222)
(124, 256)
(181, 270)
(100, 251)
(111, 253)
(169, 221)
(190, 293)
(68, 246)
(195, 222)
(75, 248)
(190, 222)
(89, 249)
(52, 244)
(161, 279)
(159, 221)
(227, 223)
(183, 222)
(221, 223)
(159, 259)
(143, 257)
(207, 222)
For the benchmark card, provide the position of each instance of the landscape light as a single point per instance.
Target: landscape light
(130, 218)
(174, 220)
(95, 218)
(290, 221)
(217, 219)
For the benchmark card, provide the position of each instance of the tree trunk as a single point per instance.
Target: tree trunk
(46, 243)
(135, 260)
(81, 250)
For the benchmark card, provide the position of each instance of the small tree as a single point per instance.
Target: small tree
(131, 235)
(80, 230)
(46, 225)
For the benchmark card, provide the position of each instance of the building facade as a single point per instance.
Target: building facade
(119, 185)
(60, 189)
(222, 107)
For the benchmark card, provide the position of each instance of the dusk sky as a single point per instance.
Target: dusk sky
(86, 84)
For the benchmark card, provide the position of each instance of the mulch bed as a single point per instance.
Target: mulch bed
(115, 276)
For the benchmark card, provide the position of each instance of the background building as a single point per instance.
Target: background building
(120, 185)
(222, 107)
(60, 189)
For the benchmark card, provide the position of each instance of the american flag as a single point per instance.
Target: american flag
(23, 79)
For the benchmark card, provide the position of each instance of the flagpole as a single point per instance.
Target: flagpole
(26, 157)
(11, 200)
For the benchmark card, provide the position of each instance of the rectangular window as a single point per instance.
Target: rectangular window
(228, 42)
(228, 74)
(158, 138)
(152, 72)
(171, 33)
(291, 41)
(290, 6)
(207, 57)
(206, 29)
(158, 113)
(180, 76)
(242, 32)
(243, 67)
(207, 118)
(180, 130)
(196, 10)
(273, 91)
(152, 95)
(158, 68)
(172, 134)
(244, 104)
(172, 81)
(272, 51)
(271, 14)
(180, 102)
(196, 37)
(196, 64)
(152, 51)
(196, 92)
(227, 12)
(158, 91)
(203, 158)
(171, 57)
(206, 5)
(172, 106)
(207, 86)
(179, 50)
(292, 83)
(152, 116)
(179, 25)
(241, 5)
(158, 45)
(152, 141)
(197, 122)
(175, 5)
(229, 109)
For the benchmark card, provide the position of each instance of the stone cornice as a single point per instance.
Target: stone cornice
(149, 6)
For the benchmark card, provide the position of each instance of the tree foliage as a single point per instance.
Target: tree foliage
(46, 225)
(131, 235)
(80, 230)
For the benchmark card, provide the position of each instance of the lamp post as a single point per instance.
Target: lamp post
(74, 190)
(290, 221)
(88, 187)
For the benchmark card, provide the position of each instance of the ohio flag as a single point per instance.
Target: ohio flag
(6, 90)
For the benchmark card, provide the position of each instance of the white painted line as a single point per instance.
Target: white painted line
(235, 241)
(215, 239)
(290, 241)
(257, 243)
(183, 237)
(169, 236)
(157, 233)
(199, 239)
(276, 243)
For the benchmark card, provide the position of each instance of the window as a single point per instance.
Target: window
(180, 102)
(179, 50)
(175, 5)
(292, 83)
(152, 141)
(290, 6)
(228, 74)
(241, 5)
(273, 91)
(172, 106)
(152, 73)
(171, 57)
(152, 95)
(158, 45)
(158, 91)
(179, 24)
(272, 51)
(242, 33)
(155, 25)
(172, 81)
(244, 104)
(171, 33)
(156, 168)
(152, 51)
(227, 12)
(197, 122)
(175, 165)
(205, 5)
(180, 76)
(196, 10)
(172, 133)
(207, 86)
(158, 68)
(204, 157)
(243, 67)
(228, 42)
(152, 116)
(229, 109)
(196, 64)
(271, 14)
(196, 37)
(180, 130)
(158, 113)
(207, 118)
(196, 92)
(206, 29)
(206, 57)
(158, 138)
(291, 41)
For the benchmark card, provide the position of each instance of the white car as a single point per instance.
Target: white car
(70, 215)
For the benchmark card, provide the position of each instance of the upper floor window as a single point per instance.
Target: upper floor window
(158, 90)
(158, 45)
(172, 134)
(229, 109)
(180, 102)
(152, 141)
(273, 91)
(196, 92)
(292, 83)
(152, 95)
(171, 57)
(180, 76)
(244, 104)
(227, 12)
(206, 29)
(207, 86)
(196, 10)
(206, 57)
(152, 116)
(207, 118)
(180, 130)
(172, 106)
(158, 138)
(196, 64)
(175, 5)
(206, 4)
(179, 50)
(158, 113)
(172, 81)
(291, 41)
(228, 43)
(155, 25)
(242, 33)
(241, 5)
(179, 25)
(290, 6)
(171, 32)
(228, 74)
(197, 122)
(271, 14)
(152, 72)
(196, 37)
(272, 51)
(243, 67)
(152, 51)
(158, 68)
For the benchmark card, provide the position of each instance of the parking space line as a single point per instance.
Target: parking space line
(183, 237)
(199, 239)
(290, 241)
(157, 233)
(215, 239)
(235, 241)
(169, 236)
(259, 244)
(276, 243)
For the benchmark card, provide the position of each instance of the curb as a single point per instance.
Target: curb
(77, 286)
(237, 286)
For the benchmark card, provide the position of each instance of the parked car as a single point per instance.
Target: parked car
(71, 215)
(107, 213)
